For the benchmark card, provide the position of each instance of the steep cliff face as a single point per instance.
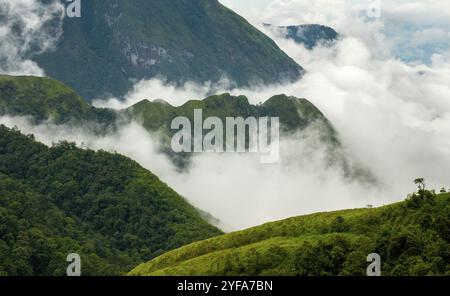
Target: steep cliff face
(201, 40)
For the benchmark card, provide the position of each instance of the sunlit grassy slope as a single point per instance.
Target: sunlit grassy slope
(411, 237)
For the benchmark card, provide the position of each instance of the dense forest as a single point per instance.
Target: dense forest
(411, 237)
(59, 200)
(42, 99)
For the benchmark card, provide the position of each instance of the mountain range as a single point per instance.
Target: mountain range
(43, 99)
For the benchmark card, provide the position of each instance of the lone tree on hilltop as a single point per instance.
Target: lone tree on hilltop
(421, 183)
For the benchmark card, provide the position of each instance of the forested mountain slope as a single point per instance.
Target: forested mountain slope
(59, 200)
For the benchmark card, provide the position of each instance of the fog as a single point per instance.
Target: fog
(27, 26)
(391, 114)
(235, 188)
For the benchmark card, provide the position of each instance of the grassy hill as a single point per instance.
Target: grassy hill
(198, 40)
(412, 238)
(59, 200)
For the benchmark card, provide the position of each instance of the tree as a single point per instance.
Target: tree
(421, 183)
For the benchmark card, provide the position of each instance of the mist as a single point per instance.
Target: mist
(234, 187)
(392, 115)
(27, 26)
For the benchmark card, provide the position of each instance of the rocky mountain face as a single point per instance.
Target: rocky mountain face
(117, 42)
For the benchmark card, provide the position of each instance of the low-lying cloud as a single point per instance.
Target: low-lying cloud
(235, 188)
(25, 26)
(392, 115)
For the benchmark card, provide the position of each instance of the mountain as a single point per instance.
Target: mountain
(105, 207)
(117, 42)
(299, 119)
(295, 116)
(308, 35)
(294, 113)
(412, 238)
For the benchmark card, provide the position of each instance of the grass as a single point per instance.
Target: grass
(234, 253)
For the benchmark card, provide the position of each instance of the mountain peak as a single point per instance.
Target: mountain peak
(115, 42)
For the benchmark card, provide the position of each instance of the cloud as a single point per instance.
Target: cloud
(397, 20)
(27, 26)
(158, 88)
(235, 188)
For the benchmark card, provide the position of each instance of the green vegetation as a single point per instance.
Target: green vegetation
(295, 114)
(199, 40)
(44, 98)
(412, 238)
(59, 200)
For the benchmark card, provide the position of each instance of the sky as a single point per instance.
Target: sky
(414, 29)
(385, 87)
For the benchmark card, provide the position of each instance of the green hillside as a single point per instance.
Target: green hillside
(198, 40)
(294, 113)
(44, 98)
(412, 238)
(59, 200)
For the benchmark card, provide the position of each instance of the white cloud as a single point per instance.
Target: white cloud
(393, 116)
(236, 188)
(396, 27)
(24, 26)
(158, 88)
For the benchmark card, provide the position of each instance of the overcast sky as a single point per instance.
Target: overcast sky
(415, 29)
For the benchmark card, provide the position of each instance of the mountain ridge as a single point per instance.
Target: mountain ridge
(296, 115)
